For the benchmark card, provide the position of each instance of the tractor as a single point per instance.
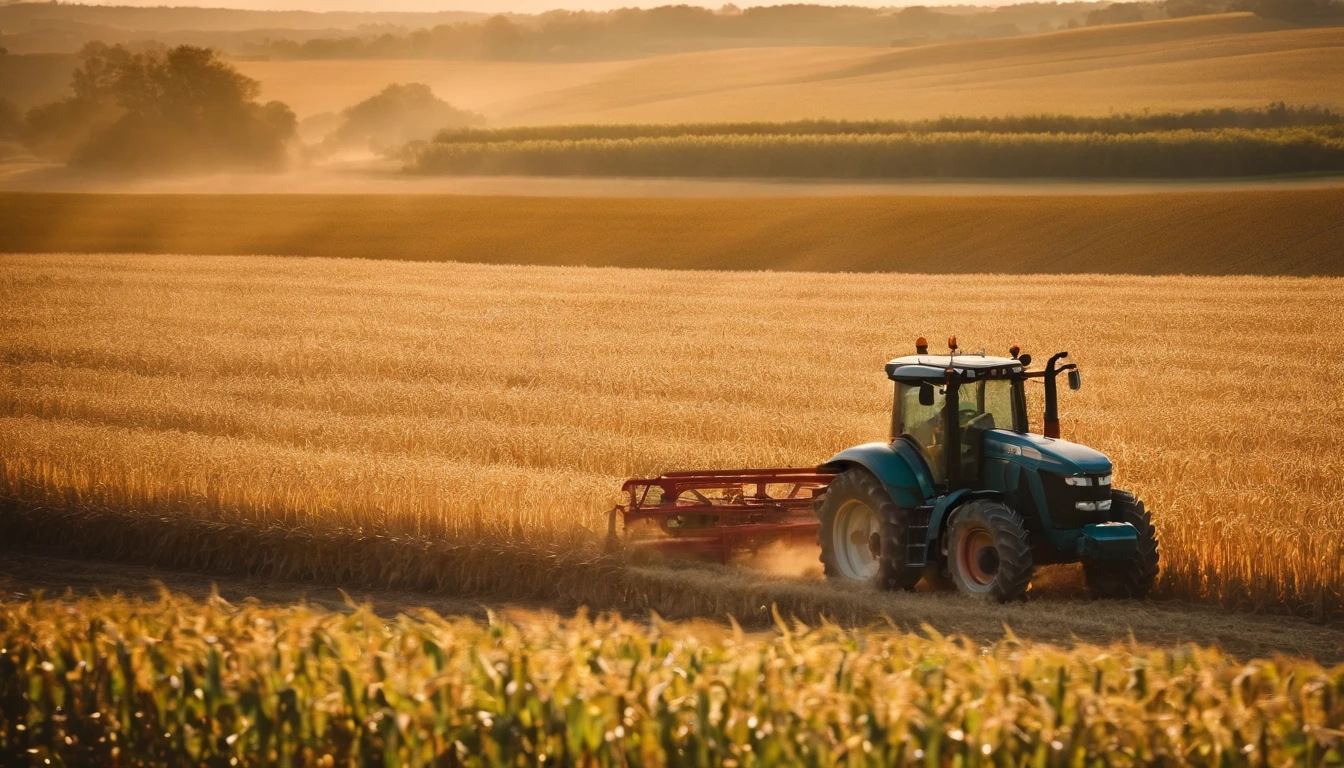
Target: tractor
(962, 495)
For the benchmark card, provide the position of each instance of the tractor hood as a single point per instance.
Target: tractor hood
(1059, 456)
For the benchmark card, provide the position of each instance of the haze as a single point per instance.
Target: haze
(492, 6)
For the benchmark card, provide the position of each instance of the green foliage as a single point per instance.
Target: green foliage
(1278, 115)
(1223, 152)
(98, 682)
(397, 115)
(176, 109)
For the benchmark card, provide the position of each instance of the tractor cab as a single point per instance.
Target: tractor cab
(945, 405)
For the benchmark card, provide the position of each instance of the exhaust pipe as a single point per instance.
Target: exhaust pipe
(1051, 427)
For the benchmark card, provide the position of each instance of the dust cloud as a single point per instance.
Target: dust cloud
(783, 558)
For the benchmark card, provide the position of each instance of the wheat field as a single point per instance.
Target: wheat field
(501, 406)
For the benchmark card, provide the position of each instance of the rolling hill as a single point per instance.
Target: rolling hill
(1209, 61)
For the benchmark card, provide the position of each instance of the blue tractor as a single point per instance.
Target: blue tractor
(965, 494)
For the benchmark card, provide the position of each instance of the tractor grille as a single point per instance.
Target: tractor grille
(1062, 497)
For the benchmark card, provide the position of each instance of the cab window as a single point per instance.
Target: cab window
(922, 423)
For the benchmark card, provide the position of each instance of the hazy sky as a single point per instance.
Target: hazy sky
(518, 6)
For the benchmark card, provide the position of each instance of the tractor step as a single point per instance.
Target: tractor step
(917, 537)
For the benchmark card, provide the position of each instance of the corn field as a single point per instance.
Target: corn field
(115, 682)
(466, 428)
(1278, 115)
(1221, 152)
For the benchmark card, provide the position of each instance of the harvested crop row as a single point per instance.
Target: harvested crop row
(1213, 231)
(469, 404)
(1159, 154)
(101, 681)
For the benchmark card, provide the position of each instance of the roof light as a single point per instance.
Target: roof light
(952, 343)
(1014, 350)
(921, 346)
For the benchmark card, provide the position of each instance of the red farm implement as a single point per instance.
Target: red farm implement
(713, 514)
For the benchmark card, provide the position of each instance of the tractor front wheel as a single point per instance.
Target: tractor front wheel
(863, 533)
(988, 552)
(1134, 577)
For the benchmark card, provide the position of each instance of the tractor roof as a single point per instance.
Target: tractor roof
(934, 367)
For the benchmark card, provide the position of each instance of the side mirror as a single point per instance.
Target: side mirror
(1025, 360)
(926, 394)
(1075, 380)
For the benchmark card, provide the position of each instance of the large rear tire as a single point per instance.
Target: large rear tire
(989, 553)
(1134, 577)
(863, 533)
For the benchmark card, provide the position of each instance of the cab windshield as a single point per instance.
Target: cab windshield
(982, 405)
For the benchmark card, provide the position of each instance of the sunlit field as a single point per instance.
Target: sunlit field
(497, 409)
(1016, 231)
(113, 681)
(1231, 60)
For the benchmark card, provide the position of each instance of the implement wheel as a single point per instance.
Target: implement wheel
(863, 533)
(988, 552)
(1134, 577)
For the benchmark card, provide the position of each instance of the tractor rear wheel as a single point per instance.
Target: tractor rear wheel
(1134, 577)
(863, 533)
(989, 553)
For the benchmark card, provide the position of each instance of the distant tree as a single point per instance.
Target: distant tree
(920, 19)
(1179, 9)
(501, 38)
(730, 9)
(1298, 11)
(1117, 13)
(399, 114)
(175, 109)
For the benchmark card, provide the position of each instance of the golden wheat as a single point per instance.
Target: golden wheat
(460, 403)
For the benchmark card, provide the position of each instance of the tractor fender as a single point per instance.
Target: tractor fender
(896, 465)
(946, 508)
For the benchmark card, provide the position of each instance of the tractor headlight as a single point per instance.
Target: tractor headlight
(1078, 481)
(1104, 480)
(1093, 506)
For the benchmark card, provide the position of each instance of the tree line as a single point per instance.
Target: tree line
(576, 35)
(563, 35)
(155, 109)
